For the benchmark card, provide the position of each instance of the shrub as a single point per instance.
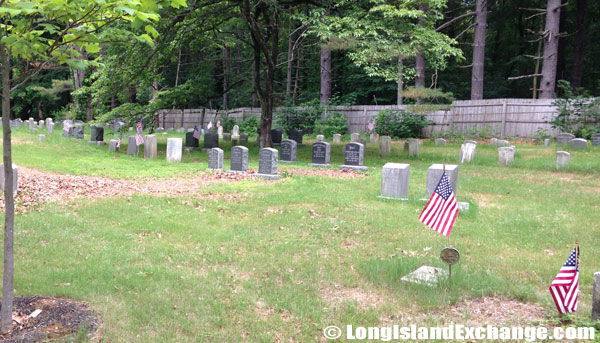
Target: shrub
(299, 118)
(334, 123)
(400, 124)
(249, 125)
(577, 113)
(228, 124)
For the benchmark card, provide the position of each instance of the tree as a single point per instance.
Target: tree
(477, 68)
(551, 40)
(45, 35)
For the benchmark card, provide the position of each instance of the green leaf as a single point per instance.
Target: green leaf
(10, 11)
(92, 48)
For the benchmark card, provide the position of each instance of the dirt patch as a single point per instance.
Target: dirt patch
(486, 200)
(332, 173)
(58, 318)
(337, 295)
(497, 311)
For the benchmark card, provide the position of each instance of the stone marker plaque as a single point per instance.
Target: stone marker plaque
(288, 150)
(215, 158)
(321, 154)
(353, 157)
(239, 158)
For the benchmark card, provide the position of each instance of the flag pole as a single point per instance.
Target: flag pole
(577, 252)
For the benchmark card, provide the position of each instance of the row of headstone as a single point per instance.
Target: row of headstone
(395, 176)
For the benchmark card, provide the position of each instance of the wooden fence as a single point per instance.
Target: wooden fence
(500, 117)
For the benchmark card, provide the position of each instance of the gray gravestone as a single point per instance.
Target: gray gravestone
(31, 123)
(220, 131)
(337, 138)
(215, 158)
(50, 127)
(296, 135)
(117, 126)
(502, 142)
(596, 139)
(15, 178)
(267, 163)
(547, 142)
(320, 138)
(562, 159)
(67, 127)
(374, 138)
(41, 138)
(191, 141)
(413, 147)
(506, 156)
(227, 137)
(494, 141)
(150, 146)
(211, 140)
(321, 155)
(132, 148)
(578, 143)
(174, 149)
(467, 152)
(179, 130)
(440, 142)
(276, 136)
(385, 145)
(394, 181)
(77, 131)
(97, 133)
(354, 137)
(564, 138)
(288, 151)
(112, 145)
(434, 173)
(243, 138)
(41, 124)
(354, 154)
(239, 158)
(596, 298)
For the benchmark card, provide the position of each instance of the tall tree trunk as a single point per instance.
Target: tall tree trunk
(113, 102)
(325, 75)
(548, 82)
(297, 76)
(477, 69)
(400, 82)
(89, 114)
(226, 72)
(39, 110)
(290, 63)
(420, 70)
(577, 70)
(9, 201)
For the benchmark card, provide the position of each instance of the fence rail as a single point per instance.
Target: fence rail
(503, 117)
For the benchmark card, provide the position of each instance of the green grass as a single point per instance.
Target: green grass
(258, 268)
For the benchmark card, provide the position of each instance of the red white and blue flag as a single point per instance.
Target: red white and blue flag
(119, 141)
(218, 123)
(440, 212)
(565, 287)
(371, 125)
(209, 126)
(139, 140)
(196, 132)
(66, 126)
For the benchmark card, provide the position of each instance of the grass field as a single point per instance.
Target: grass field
(278, 261)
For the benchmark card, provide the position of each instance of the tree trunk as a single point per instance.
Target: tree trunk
(9, 217)
(325, 75)
(400, 82)
(420, 70)
(577, 70)
(297, 76)
(89, 114)
(290, 63)
(477, 69)
(113, 102)
(548, 81)
(226, 71)
(39, 110)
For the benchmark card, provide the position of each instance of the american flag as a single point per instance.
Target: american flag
(119, 141)
(440, 212)
(218, 123)
(66, 127)
(139, 140)
(196, 132)
(371, 125)
(209, 126)
(565, 287)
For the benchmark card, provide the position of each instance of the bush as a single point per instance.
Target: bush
(400, 124)
(228, 124)
(249, 125)
(577, 113)
(334, 123)
(302, 117)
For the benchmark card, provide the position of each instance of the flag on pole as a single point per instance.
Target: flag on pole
(565, 287)
(209, 126)
(139, 140)
(196, 132)
(119, 141)
(218, 123)
(441, 210)
(371, 125)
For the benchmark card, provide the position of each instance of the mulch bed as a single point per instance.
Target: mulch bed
(58, 318)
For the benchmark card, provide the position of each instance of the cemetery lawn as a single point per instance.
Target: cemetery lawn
(259, 261)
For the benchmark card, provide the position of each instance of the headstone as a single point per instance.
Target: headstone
(547, 142)
(97, 133)
(321, 155)
(320, 138)
(267, 163)
(215, 158)
(354, 137)
(211, 140)
(506, 156)
(596, 139)
(48, 121)
(434, 173)
(41, 138)
(132, 148)
(112, 145)
(385, 145)
(440, 142)
(296, 135)
(354, 154)
(337, 138)
(174, 149)
(596, 297)
(502, 142)
(374, 138)
(31, 124)
(562, 159)
(66, 131)
(413, 147)
(150, 146)
(239, 158)
(467, 152)
(117, 126)
(15, 178)
(235, 132)
(276, 136)
(394, 181)
(227, 137)
(288, 151)
(50, 127)
(494, 141)
(160, 129)
(578, 143)
(170, 129)
(426, 275)
(77, 131)
(243, 138)
(220, 131)
(564, 138)
(191, 141)
(41, 124)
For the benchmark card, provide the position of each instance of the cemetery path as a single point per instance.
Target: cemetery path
(37, 186)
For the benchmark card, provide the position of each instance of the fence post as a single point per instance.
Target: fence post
(503, 132)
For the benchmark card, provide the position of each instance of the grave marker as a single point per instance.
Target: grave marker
(596, 139)
(578, 143)
(385, 145)
(112, 145)
(150, 146)
(413, 147)
(288, 151)
(467, 152)
(50, 127)
(337, 138)
(276, 136)
(434, 173)
(320, 138)
(191, 141)
(374, 138)
(564, 138)
(174, 149)
(394, 181)
(15, 178)
(41, 138)
(239, 159)
(215, 158)
(354, 154)
(506, 156)
(440, 142)
(211, 140)
(132, 148)
(267, 164)
(562, 159)
(243, 138)
(321, 155)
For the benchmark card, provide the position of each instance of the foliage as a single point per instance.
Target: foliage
(428, 95)
(228, 124)
(335, 122)
(541, 134)
(400, 124)
(577, 113)
(249, 125)
(302, 117)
